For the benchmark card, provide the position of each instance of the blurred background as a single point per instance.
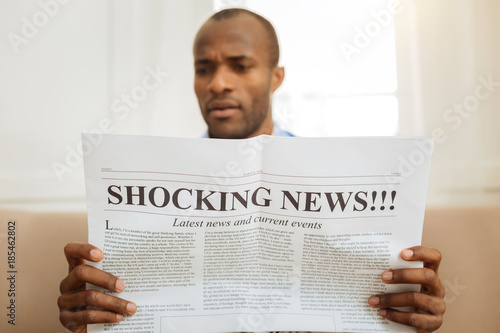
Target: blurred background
(377, 67)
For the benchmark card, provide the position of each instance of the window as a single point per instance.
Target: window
(339, 57)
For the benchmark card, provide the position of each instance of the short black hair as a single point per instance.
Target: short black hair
(273, 45)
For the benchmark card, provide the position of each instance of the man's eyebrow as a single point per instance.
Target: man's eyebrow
(203, 62)
(206, 61)
(239, 58)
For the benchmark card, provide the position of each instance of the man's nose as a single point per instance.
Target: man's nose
(221, 81)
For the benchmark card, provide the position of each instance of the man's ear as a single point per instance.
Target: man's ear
(277, 76)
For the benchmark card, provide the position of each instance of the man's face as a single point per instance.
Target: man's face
(234, 81)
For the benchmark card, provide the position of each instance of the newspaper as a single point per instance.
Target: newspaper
(261, 234)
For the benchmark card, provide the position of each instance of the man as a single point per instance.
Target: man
(236, 73)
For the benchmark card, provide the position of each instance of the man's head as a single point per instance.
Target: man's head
(236, 57)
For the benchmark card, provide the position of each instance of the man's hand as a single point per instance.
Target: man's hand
(74, 299)
(429, 304)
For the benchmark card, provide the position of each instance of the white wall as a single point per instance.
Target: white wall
(67, 77)
(53, 87)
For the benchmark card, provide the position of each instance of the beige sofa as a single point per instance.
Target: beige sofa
(469, 239)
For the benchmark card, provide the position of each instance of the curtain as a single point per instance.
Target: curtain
(449, 75)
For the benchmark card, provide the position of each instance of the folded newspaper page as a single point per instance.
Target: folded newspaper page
(261, 234)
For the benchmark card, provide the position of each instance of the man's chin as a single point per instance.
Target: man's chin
(226, 133)
(227, 136)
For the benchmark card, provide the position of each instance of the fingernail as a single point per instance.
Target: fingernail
(119, 317)
(382, 312)
(374, 300)
(131, 308)
(387, 276)
(407, 254)
(95, 254)
(120, 285)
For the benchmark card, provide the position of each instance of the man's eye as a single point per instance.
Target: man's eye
(241, 67)
(201, 71)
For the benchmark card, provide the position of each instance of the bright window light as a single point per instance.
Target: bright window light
(340, 64)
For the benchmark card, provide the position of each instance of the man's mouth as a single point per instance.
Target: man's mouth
(222, 109)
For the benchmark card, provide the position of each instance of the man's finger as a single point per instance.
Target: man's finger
(77, 253)
(423, 322)
(424, 276)
(430, 304)
(429, 256)
(95, 298)
(72, 320)
(87, 274)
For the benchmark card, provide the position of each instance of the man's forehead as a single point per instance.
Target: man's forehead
(241, 35)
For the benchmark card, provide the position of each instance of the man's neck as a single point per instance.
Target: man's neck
(266, 128)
